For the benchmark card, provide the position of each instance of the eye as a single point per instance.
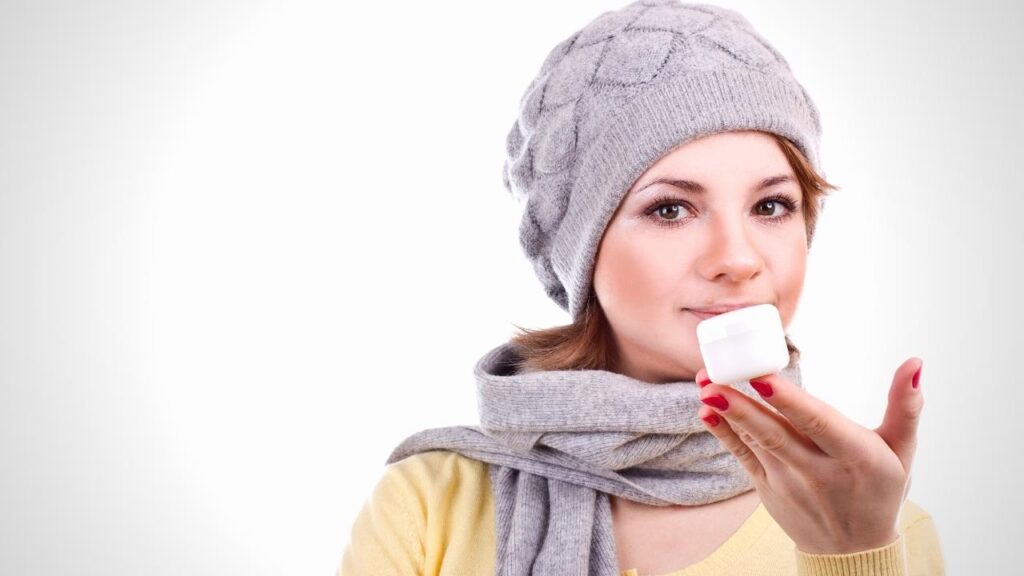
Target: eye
(772, 203)
(666, 211)
(669, 211)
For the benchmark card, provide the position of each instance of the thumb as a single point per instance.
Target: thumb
(899, 426)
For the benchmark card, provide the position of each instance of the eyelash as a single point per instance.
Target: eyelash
(791, 206)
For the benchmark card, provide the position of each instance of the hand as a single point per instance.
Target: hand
(832, 485)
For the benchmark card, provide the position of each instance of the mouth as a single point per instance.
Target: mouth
(712, 311)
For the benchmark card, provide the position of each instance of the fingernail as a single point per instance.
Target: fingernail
(917, 376)
(763, 388)
(704, 382)
(716, 401)
(712, 419)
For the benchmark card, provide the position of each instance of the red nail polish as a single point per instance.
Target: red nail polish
(712, 419)
(917, 376)
(716, 401)
(763, 388)
(704, 382)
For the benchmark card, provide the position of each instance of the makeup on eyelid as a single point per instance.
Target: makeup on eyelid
(789, 205)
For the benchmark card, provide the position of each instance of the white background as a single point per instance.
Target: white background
(248, 247)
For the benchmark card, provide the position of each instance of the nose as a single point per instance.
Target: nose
(730, 251)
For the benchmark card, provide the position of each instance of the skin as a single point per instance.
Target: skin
(832, 485)
(728, 245)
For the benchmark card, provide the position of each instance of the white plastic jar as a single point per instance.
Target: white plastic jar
(743, 344)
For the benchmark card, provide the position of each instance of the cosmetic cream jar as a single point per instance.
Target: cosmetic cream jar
(743, 344)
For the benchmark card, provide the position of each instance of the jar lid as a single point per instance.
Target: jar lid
(740, 321)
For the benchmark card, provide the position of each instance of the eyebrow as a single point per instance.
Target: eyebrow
(696, 188)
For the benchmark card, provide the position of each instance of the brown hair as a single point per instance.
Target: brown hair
(586, 343)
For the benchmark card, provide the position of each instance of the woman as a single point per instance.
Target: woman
(668, 162)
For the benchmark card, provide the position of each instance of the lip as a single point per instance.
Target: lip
(711, 311)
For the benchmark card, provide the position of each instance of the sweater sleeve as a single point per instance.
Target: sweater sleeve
(387, 535)
(917, 552)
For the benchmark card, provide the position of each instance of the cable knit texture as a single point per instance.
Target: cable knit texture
(619, 94)
(559, 442)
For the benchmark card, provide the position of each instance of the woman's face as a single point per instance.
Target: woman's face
(731, 233)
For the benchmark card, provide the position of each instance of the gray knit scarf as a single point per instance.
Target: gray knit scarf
(560, 442)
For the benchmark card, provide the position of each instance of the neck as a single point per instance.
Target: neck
(645, 368)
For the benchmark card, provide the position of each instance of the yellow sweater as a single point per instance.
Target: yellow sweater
(433, 514)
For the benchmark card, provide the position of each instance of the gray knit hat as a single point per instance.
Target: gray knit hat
(619, 94)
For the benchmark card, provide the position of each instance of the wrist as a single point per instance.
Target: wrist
(849, 547)
(889, 560)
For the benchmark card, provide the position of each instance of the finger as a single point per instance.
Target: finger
(727, 436)
(770, 463)
(833, 433)
(903, 415)
(765, 428)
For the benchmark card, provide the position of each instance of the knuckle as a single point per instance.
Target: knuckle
(741, 450)
(814, 425)
(915, 409)
(774, 440)
(745, 437)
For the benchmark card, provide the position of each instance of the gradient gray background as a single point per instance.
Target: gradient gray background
(247, 247)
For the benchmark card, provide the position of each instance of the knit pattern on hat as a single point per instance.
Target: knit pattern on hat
(616, 96)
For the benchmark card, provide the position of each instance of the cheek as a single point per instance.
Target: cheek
(632, 271)
(790, 269)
